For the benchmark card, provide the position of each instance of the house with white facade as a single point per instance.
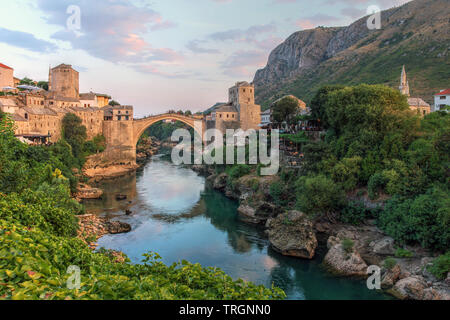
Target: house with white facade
(265, 118)
(441, 99)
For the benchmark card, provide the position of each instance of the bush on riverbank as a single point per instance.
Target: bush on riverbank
(34, 265)
(375, 141)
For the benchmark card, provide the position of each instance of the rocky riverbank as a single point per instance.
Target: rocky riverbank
(350, 249)
(85, 191)
(147, 148)
(93, 227)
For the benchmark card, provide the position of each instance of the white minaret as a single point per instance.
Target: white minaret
(404, 84)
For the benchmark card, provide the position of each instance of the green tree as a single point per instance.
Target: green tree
(317, 105)
(74, 133)
(43, 85)
(319, 195)
(285, 109)
(114, 103)
(27, 81)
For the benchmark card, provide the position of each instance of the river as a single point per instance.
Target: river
(176, 215)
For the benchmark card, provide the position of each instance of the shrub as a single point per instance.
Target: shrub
(347, 172)
(49, 209)
(376, 184)
(354, 213)
(424, 219)
(348, 245)
(390, 263)
(238, 171)
(277, 191)
(441, 266)
(403, 253)
(319, 195)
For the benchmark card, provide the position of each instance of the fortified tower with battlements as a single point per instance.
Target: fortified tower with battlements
(63, 82)
(242, 98)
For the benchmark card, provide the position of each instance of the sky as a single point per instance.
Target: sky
(161, 54)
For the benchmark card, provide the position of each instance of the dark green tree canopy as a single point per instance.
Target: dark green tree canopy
(285, 109)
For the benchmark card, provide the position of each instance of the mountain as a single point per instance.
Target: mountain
(416, 35)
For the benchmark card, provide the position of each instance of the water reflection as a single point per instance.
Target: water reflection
(176, 215)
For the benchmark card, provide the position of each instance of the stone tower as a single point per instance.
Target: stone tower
(404, 84)
(64, 82)
(242, 98)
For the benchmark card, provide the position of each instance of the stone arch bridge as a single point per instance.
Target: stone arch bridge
(123, 136)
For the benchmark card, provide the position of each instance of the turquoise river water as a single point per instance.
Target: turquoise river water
(176, 215)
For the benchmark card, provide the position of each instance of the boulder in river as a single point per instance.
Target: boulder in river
(220, 182)
(344, 262)
(292, 234)
(87, 192)
(257, 214)
(115, 227)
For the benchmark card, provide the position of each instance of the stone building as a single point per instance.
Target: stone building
(416, 104)
(63, 82)
(118, 113)
(39, 115)
(92, 99)
(239, 112)
(8, 104)
(92, 119)
(6, 76)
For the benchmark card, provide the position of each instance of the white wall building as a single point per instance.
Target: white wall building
(265, 118)
(441, 99)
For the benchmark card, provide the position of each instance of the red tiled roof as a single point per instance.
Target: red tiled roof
(446, 92)
(5, 66)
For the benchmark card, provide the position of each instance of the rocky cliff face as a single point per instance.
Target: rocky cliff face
(415, 34)
(303, 49)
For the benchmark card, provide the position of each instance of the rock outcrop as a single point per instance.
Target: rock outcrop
(92, 227)
(416, 288)
(292, 234)
(257, 213)
(303, 49)
(341, 262)
(87, 192)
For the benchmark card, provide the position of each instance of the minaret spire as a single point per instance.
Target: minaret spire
(49, 77)
(404, 84)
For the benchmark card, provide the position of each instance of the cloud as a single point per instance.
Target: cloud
(243, 34)
(353, 12)
(25, 40)
(112, 30)
(196, 47)
(242, 63)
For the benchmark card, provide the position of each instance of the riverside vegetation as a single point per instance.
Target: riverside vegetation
(377, 161)
(38, 227)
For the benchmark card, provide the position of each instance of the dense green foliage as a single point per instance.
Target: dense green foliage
(374, 142)
(33, 265)
(441, 266)
(38, 225)
(74, 133)
(163, 131)
(285, 110)
(318, 195)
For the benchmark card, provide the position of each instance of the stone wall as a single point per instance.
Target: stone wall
(6, 77)
(250, 116)
(64, 82)
(121, 149)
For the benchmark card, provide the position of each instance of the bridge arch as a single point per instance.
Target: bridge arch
(140, 125)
